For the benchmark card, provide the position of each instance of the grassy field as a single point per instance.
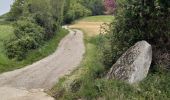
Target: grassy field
(91, 25)
(102, 18)
(3, 20)
(88, 82)
(6, 31)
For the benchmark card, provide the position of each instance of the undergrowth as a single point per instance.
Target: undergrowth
(33, 55)
(89, 83)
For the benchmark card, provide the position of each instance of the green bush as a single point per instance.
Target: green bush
(19, 48)
(17, 10)
(26, 27)
(137, 20)
(28, 36)
(75, 10)
(89, 82)
(41, 12)
(96, 6)
(36, 21)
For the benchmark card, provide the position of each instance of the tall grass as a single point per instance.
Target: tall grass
(89, 83)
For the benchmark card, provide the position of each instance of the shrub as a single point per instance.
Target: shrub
(17, 9)
(26, 27)
(18, 48)
(74, 11)
(110, 6)
(96, 6)
(140, 20)
(28, 36)
(36, 21)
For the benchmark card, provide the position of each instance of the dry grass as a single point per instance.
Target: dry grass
(91, 28)
(91, 25)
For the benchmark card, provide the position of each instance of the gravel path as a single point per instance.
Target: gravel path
(44, 74)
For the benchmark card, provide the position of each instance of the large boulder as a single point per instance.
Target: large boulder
(133, 65)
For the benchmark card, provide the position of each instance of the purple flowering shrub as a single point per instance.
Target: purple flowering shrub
(110, 6)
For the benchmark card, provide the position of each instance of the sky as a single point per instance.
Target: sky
(5, 6)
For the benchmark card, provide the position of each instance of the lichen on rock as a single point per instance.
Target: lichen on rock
(134, 64)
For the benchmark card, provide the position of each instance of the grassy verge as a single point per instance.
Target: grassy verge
(82, 73)
(88, 82)
(34, 55)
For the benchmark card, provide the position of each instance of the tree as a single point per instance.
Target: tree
(17, 10)
(74, 10)
(36, 21)
(96, 6)
(137, 20)
(110, 6)
(57, 11)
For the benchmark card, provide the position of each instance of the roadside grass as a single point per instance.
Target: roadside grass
(33, 55)
(85, 68)
(88, 81)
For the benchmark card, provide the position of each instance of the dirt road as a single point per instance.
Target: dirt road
(45, 73)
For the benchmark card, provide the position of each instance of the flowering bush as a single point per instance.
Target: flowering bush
(110, 6)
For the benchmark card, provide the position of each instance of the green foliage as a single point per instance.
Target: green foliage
(92, 85)
(74, 10)
(57, 10)
(44, 13)
(27, 28)
(27, 36)
(139, 20)
(96, 6)
(36, 21)
(46, 49)
(17, 9)
(19, 48)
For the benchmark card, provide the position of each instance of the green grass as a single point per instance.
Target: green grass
(5, 32)
(85, 68)
(34, 55)
(88, 81)
(101, 18)
(3, 20)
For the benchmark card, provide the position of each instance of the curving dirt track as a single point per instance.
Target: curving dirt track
(44, 74)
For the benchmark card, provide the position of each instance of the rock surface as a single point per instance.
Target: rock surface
(134, 64)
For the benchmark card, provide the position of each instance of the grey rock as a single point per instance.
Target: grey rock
(133, 65)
